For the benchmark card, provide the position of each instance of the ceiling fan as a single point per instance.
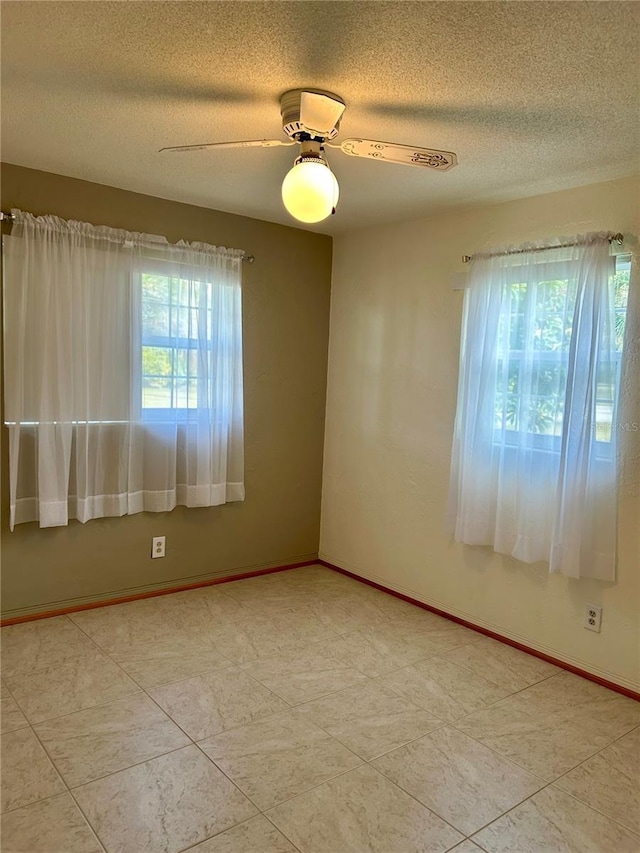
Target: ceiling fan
(311, 119)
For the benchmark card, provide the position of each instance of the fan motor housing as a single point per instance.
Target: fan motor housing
(290, 111)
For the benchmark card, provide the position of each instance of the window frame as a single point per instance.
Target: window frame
(509, 439)
(166, 414)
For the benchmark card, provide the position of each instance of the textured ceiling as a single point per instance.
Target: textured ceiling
(533, 96)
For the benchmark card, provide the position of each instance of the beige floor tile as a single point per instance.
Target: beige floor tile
(459, 779)
(553, 822)
(391, 606)
(86, 680)
(27, 773)
(553, 726)
(119, 628)
(429, 641)
(270, 607)
(610, 781)
(163, 661)
(370, 719)
(201, 608)
(345, 612)
(254, 836)
(290, 625)
(316, 578)
(445, 690)
(467, 846)
(267, 594)
(11, 717)
(505, 666)
(412, 616)
(266, 584)
(273, 760)
(361, 811)
(41, 644)
(256, 636)
(304, 676)
(55, 825)
(584, 698)
(547, 745)
(215, 617)
(376, 652)
(93, 743)
(210, 703)
(164, 805)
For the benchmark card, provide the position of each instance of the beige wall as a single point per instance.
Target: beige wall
(285, 317)
(393, 363)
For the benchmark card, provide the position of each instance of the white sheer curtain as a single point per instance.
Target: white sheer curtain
(534, 471)
(123, 372)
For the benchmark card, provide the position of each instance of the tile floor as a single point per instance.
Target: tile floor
(303, 711)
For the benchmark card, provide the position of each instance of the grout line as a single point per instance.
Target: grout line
(157, 704)
(282, 832)
(400, 785)
(552, 785)
(500, 755)
(464, 669)
(229, 829)
(508, 811)
(513, 760)
(314, 787)
(129, 767)
(594, 809)
(64, 793)
(20, 708)
(293, 796)
(111, 657)
(69, 791)
(602, 749)
(226, 775)
(413, 707)
(585, 761)
(89, 824)
(57, 772)
(123, 769)
(35, 802)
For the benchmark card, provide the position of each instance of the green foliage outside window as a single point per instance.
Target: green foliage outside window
(169, 370)
(539, 408)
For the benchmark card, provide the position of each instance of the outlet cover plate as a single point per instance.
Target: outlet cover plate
(593, 617)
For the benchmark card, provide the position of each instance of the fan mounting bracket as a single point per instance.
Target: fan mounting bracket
(290, 112)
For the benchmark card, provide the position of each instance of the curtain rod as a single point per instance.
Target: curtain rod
(9, 217)
(613, 238)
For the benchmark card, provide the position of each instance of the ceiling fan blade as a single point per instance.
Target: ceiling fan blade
(320, 113)
(392, 152)
(250, 143)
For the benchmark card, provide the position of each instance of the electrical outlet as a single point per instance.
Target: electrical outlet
(157, 546)
(593, 617)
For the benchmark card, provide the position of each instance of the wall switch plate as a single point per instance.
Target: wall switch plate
(593, 617)
(157, 546)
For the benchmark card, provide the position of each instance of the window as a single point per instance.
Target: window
(172, 327)
(123, 372)
(534, 339)
(534, 462)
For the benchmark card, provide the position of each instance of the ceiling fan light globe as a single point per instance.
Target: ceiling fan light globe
(310, 191)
